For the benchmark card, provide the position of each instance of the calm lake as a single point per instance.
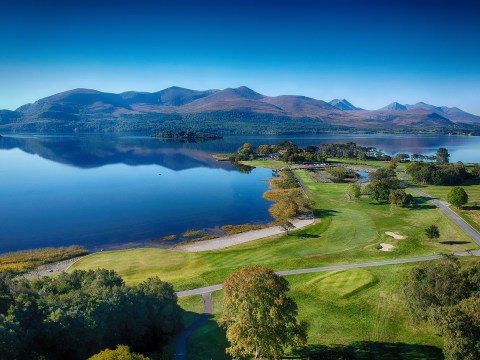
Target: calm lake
(107, 192)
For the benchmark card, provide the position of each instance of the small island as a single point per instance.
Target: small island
(187, 136)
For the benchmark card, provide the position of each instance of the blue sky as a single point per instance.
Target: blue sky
(370, 52)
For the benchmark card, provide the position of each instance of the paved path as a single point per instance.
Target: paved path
(227, 241)
(181, 342)
(444, 207)
(212, 288)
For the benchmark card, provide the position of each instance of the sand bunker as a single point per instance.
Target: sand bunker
(394, 235)
(386, 247)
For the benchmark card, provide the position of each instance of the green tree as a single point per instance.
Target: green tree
(435, 285)
(259, 317)
(382, 173)
(122, 352)
(353, 191)
(75, 315)
(400, 198)
(432, 232)
(459, 326)
(442, 156)
(457, 196)
(380, 189)
(476, 170)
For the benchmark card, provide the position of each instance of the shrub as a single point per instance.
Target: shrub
(457, 197)
(432, 232)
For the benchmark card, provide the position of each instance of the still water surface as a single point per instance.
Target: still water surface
(119, 191)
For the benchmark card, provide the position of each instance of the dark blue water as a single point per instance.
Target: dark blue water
(110, 191)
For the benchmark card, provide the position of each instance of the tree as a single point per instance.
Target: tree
(264, 150)
(400, 198)
(457, 197)
(380, 189)
(434, 285)
(476, 170)
(122, 352)
(286, 226)
(402, 157)
(290, 204)
(353, 191)
(382, 173)
(459, 326)
(442, 156)
(259, 317)
(448, 296)
(75, 315)
(432, 232)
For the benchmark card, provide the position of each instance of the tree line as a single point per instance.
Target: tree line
(73, 316)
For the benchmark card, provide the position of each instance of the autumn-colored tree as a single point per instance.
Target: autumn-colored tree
(294, 202)
(260, 319)
(264, 150)
(122, 352)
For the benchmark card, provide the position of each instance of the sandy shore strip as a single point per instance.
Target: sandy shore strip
(231, 240)
(51, 269)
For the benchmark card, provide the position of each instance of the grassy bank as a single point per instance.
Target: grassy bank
(25, 260)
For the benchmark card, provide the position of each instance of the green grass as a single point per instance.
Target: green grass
(471, 211)
(346, 232)
(361, 312)
(472, 187)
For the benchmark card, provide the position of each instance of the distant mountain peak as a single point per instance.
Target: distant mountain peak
(246, 92)
(394, 106)
(343, 105)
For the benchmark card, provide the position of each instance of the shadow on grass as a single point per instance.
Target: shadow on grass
(307, 236)
(422, 203)
(321, 213)
(208, 342)
(454, 242)
(368, 350)
(471, 207)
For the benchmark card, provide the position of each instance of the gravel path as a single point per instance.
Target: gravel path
(226, 241)
(51, 269)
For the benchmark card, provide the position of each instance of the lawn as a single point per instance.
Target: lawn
(356, 312)
(345, 232)
(471, 211)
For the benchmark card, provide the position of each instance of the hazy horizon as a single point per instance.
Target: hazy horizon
(371, 54)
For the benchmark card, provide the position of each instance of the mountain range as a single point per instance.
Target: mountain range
(232, 110)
